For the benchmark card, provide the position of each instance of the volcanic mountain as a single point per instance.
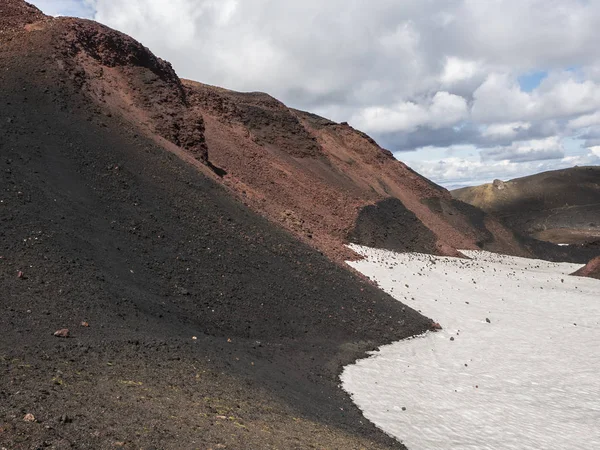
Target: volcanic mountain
(561, 206)
(193, 322)
(184, 235)
(325, 182)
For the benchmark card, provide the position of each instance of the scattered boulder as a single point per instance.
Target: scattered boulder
(64, 333)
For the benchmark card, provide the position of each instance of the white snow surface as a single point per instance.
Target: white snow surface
(528, 379)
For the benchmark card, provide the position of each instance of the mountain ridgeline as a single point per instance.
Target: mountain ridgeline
(561, 206)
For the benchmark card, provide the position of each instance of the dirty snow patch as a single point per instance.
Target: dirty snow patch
(522, 370)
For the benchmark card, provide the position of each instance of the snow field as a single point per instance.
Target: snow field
(517, 365)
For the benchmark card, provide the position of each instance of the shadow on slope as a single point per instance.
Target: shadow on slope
(109, 228)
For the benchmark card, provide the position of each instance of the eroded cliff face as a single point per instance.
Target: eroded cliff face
(322, 180)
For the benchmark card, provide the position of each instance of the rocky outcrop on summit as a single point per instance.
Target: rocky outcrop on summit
(119, 72)
(121, 75)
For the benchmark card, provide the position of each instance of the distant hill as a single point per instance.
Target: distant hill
(561, 206)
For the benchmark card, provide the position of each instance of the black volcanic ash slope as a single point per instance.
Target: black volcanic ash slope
(108, 228)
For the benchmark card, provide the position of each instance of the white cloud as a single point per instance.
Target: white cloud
(442, 110)
(585, 121)
(463, 171)
(524, 151)
(595, 150)
(499, 98)
(559, 96)
(505, 130)
(457, 70)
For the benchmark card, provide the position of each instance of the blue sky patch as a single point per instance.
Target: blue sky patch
(531, 80)
(75, 8)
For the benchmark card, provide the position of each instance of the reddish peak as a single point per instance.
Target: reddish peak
(17, 13)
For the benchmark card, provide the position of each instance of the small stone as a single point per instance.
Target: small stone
(404, 408)
(65, 419)
(29, 418)
(64, 333)
(183, 291)
(451, 338)
(194, 338)
(20, 275)
(488, 320)
(85, 324)
(435, 326)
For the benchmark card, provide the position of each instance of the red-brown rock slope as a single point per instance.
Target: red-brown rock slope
(330, 183)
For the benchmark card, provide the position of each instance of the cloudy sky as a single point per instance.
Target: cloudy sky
(464, 91)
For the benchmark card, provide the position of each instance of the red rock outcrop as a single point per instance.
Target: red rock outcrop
(590, 270)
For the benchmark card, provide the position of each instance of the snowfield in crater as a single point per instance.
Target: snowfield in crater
(517, 365)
